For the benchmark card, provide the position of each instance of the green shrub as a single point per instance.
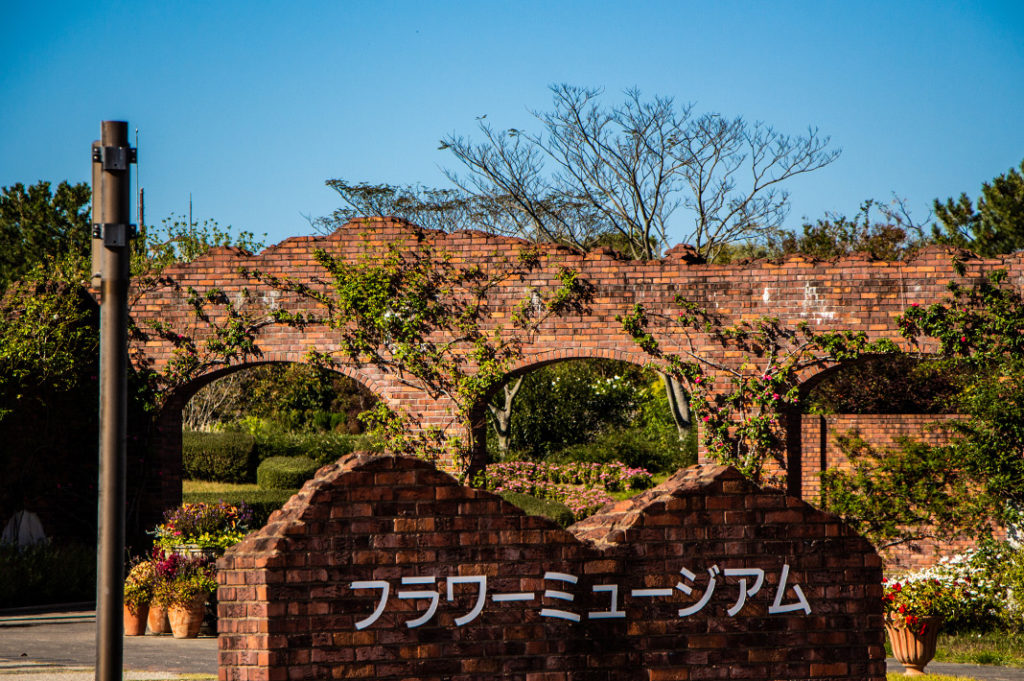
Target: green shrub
(633, 448)
(324, 448)
(285, 472)
(560, 513)
(46, 573)
(261, 502)
(220, 457)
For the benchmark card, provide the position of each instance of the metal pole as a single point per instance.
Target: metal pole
(111, 228)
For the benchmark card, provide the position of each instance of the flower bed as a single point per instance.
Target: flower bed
(583, 487)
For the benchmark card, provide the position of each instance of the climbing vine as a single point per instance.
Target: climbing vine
(741, 405)
(429, 321)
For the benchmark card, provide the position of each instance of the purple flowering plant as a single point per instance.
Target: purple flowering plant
(215, 526)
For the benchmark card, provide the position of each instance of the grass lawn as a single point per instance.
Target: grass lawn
(206, 486)
(999, 648)
(897, 676)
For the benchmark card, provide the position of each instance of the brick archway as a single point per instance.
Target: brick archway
(166, 450)
(851, 293)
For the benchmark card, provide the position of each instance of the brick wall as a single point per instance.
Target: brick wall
(851, 293)
(301, 598)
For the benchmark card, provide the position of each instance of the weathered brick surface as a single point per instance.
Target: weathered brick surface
(288, 609)
(852, 293)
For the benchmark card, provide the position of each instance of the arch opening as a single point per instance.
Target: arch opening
(576, 414)
(256, 410)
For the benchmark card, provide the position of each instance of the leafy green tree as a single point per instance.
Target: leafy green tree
(892, 238)
(38, 225)
(597, 411)
(572, 402)
(992, 226)
(289, 396)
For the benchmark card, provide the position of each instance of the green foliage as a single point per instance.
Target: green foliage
(570, 403)
(596, 411)
(836, 235)
(889, 384)
(633, 448)
(48, 396)
(996, 226)
(221, 457)
(913, 491)
(323, 448)
(261, 502)
(39, 226)
(547, 508)
(285, 472)
(176, 240)
(46, 573)
(982, 328)
(280, 396)
(221, 330)
(977, 479)
(48, 342)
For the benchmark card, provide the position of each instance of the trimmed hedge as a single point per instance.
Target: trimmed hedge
(262, 502)
(285, 472)
(560, 513)
(324, 448)
(218, 457)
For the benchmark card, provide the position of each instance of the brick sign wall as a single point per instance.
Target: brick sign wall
(384, 568)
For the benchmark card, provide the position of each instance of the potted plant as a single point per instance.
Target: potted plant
(203, 529)
(138, 592)
(185, 586)
(913, 616)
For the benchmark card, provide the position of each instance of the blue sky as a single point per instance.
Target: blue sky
(251, 106)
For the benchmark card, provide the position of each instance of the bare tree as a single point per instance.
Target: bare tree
(453, 209)
(501, 413)
(630, 167)
(212, 402)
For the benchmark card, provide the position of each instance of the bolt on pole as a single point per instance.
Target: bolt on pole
(112, 158)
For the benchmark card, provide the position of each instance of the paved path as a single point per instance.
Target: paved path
(62, 647)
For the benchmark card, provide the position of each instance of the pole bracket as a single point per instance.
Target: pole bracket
(114, 235)
(114, 158)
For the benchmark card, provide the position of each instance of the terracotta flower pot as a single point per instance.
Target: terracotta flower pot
(186, 619)
(158, 619)
(135, 619)
(911, 646)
